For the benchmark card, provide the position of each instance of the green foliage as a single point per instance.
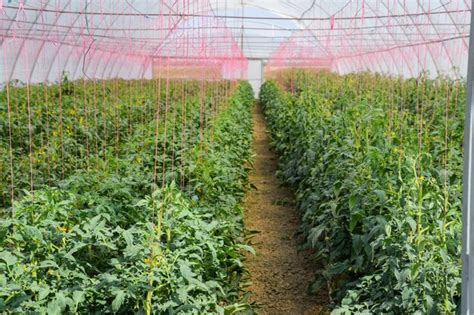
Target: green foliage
(377, 163)
(99, 242)
(81, 124)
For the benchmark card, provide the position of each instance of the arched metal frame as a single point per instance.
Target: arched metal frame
(95, 51)
(436, 47)
(393, 60)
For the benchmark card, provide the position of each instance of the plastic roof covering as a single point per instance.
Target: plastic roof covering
(109, 38)
(404, 37)
(393, 36)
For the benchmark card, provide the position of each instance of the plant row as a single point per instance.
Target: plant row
(114, 240)
(377, 165)
(49, 131)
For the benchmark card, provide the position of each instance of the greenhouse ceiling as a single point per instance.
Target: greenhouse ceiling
(399, 36)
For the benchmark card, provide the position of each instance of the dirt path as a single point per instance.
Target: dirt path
(279, 275)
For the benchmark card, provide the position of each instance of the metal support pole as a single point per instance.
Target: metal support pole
(242, 37)
(467, 291)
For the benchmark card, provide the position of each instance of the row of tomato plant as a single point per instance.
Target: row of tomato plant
(377, 166)
(48, 131)
(113, 239)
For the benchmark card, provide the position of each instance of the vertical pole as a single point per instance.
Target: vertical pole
(467, 291)
(242, 38)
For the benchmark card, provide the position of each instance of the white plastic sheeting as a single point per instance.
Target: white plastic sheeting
(42, 40)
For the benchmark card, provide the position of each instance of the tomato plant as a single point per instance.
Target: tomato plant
(110, 239)
(377, 164)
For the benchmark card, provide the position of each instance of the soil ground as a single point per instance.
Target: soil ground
(279, 273)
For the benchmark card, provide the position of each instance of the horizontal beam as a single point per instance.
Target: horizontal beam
(190, 15)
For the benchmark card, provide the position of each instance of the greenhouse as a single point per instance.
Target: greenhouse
(236, 157)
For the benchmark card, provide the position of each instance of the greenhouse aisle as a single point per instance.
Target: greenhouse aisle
(279, 274)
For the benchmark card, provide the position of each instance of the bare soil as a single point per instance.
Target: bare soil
(280, 274)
